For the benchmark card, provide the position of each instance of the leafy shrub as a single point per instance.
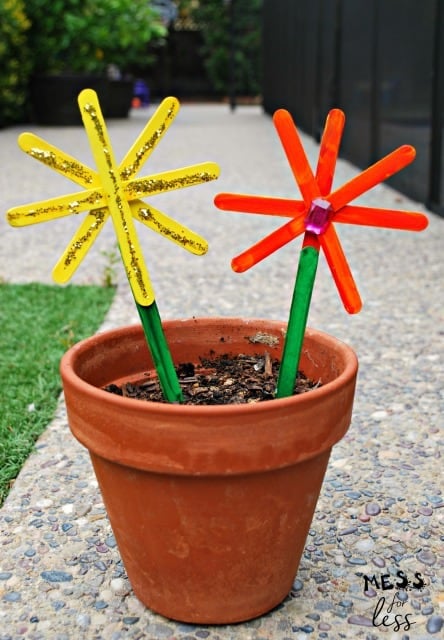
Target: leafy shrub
(213, 17)
(87, 36)
(14, 61)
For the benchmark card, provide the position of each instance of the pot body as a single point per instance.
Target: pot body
(210, 505)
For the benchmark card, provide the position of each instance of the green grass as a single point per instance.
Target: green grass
(38, 323)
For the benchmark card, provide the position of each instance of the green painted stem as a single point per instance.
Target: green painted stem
(303, 289)
(158, 346)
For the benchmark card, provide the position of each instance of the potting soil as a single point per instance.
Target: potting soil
(222, 379)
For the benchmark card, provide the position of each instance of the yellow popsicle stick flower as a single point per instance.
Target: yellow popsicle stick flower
(113, 191)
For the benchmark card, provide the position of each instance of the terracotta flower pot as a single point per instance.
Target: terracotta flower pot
(210, 505)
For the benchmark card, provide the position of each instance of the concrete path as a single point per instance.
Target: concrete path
(380, 510)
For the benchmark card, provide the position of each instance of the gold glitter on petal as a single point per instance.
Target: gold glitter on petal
(171, 230)
(108, 192)
(62, 165)
(117, 204)
(55, 208)
(153, 185)
(78, 245)
(150, 136)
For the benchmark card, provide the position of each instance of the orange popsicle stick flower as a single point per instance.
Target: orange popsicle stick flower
(315, 214)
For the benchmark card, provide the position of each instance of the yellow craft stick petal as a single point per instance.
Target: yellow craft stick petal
(54, 208)
(58, 160)
(149, 138)
(170, 180)
(169, 228)
(114, 193)
(80, 244)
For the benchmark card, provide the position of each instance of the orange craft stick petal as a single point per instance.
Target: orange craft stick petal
(329, 149)
(340, 270)
(268, 245)
(388, 218)
(378, 172)
(311, 240)
(265, 205)
(296, 155)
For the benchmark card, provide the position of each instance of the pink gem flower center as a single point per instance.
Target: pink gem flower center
(318, 216)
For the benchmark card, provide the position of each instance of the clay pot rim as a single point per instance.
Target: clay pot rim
(313, 396)
(213, 439)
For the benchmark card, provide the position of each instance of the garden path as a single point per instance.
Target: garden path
(379, 512)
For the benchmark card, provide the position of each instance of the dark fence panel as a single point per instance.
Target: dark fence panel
(405, 61)
(327, 62)
(381, 61)
(179, 68)
(356, 78)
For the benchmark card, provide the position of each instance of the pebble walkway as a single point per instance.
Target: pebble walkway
(381, 506)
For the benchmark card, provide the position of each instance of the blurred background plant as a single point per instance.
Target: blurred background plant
(198, 49)
(14, 61)
(231, 50)
(213, 49)
(74, 44)
(88, 36)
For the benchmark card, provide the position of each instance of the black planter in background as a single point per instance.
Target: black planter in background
(119, 98)
(54, 98)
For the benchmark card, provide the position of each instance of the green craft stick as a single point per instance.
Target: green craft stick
(297, 322)
(129, 246)
(160, 352)
(159, 349)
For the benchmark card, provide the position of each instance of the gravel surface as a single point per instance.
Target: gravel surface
(380, 510)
